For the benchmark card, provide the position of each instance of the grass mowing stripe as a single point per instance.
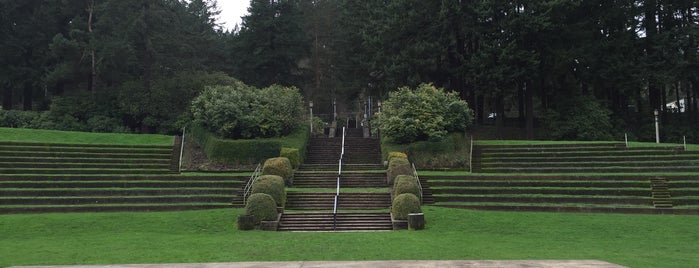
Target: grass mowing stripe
(562, 205)
(119, 205)
(451, 234)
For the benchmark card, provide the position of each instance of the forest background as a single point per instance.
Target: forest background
(135, 66)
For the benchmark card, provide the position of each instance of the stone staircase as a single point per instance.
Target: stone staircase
(55, 177)
(364, 199)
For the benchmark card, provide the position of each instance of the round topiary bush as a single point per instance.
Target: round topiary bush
(280, 166)
(262, 207)
(405, 204)
(272, 185)
(405, 184)
(398, 166)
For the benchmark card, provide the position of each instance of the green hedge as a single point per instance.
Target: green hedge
(405, 204)
(294, 156)
(281, 167)
(272, 185)
(262, 207)
(236, 152)
(405, 184)
(391, 155)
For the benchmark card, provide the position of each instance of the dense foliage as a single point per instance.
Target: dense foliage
(579, 118)
(241, 111)
(516, 60)
(423, 113)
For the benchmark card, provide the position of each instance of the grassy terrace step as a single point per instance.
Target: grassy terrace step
(85, 155)
(99, 177)
(87, 200)
(540, 144)
(587, 163)
(621, 158)
(81, 171)
(550, 190)
(114, 184)
(554, 199)
(573, 208)
(85, 160)
(571, 177)
(600, 169)
(587, 153)
(112, 207)
(103, 150)
(6, 192)
(82, 145)
(548, 149)
(45, 165)
(541, 183)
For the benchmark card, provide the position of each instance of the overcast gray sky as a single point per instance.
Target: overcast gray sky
(231, 11)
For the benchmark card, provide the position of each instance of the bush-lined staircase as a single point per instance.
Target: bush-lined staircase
(40, 177)
(364, 199)
(576, 177)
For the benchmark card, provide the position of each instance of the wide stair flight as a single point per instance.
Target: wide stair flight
(364, 199)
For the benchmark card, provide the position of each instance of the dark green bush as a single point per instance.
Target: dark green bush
(294, 156)
(405, 184)
(405, 204)
(18, 119)
(262, 207)
(398, 166)
(272, 185)
(237, 152)
(242, 111)
(424, 113)
(579, 118)
(280, 166)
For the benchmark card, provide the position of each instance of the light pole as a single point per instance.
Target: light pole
(310, 106)
(657, 128)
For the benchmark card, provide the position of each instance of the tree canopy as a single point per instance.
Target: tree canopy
(517, 59)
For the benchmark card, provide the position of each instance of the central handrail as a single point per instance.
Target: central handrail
(419, 185)
(179, 169)
(253, 178)
(339, 174)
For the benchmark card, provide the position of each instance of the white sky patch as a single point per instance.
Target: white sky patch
(231, 12)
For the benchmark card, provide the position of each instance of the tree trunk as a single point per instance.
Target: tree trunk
(28, 96)
(529, 100)
(91, 80)
(7, 97)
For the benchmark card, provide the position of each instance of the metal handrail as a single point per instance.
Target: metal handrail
(419, 185)
(339, 174)
(181, 149)
(253, 178)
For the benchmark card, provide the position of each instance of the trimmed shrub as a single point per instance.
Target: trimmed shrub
(423, 113)
(237, 152)
(405, 204)
(280, 166)
(405, 184)
(262, 207)
(392, 155)
(398, 166)
(272, 185)
(294, 156)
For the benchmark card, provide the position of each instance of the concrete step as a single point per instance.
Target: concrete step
(316, 222)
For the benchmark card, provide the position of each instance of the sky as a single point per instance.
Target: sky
(231, 11)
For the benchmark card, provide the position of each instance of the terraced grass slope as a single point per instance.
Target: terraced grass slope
(70, 177)
(582, 177)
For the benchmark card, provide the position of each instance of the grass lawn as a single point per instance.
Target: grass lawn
(211, 236)
(55, 136)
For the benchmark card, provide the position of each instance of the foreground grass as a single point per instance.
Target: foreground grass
(55, 136)
(210, 236)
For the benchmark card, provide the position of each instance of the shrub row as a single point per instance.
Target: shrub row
(262, 207)
(279, 166)
(272, 185)
(236, 152)
(405, 191)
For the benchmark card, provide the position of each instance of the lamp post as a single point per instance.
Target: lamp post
(310, 106)
(657, 128)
